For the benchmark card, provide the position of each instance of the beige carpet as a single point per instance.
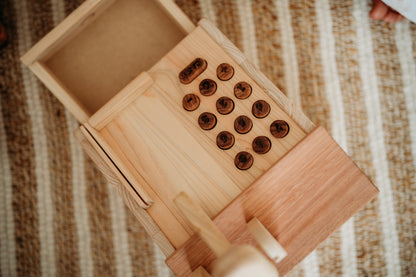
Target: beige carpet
(356, 77)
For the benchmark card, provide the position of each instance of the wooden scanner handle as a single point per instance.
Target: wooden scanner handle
(233, 261)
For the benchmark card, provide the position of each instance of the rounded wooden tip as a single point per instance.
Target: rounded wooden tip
(243, 261)
(243, 160)
(207, 121)
(190, 102)
(225, 105)
(260, 109)
(225, 140)
(225, 72)
(207, 87)
(279, 128)
(242, 90)
(261, 145)
(243, 124)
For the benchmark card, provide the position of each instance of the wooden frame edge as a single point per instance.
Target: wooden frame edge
(142, 216)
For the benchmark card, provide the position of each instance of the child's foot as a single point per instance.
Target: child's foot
(381, 11)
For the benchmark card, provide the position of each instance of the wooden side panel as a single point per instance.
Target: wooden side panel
(301, 200)
(131, 202)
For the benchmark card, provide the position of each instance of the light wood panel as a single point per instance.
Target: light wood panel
(306, 196)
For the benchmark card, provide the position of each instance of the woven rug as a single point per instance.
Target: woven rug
(354, 76)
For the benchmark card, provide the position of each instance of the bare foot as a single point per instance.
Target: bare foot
(381, 11)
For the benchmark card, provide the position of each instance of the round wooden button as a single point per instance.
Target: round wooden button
(243, 160)
(279, 128)
(190, 102)
(242, 90)
(207, 87)
(207, 121)
(225, 72)
(261, 145)
(243, 124)
(225, 140)
(260, 109)
(225, 105)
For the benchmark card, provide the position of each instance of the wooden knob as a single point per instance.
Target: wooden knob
(207, 121)
(242, 90)
(225, 72)
(225, 140)
(225, 105)
(190, 102)
(243, 160)
(261, 145)
(279, 128)
(207, 87)
(260, 109)
(193, 70)
(243, 124)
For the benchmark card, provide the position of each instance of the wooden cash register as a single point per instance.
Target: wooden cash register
(180, 122)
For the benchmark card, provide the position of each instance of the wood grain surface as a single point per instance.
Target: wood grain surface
(306, 196)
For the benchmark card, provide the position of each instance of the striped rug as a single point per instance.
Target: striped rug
(354, 76)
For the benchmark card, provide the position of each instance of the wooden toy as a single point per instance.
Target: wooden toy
(176, 117)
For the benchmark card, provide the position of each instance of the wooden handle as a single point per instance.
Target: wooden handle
(203, 225)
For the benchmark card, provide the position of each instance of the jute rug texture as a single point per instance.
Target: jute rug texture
(354, 76)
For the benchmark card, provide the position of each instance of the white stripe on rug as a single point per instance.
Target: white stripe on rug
(375, 130)
(159, 261)
(44, 199)
(248, 31)
(79, 194)
(334, 96)
(289, 51)
(403, 39)
(207, 10)
(310, 265)
(120, 233)
(7, 238)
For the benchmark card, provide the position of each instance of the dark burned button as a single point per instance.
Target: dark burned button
(193, 70)
(243, 160)
(242, 90)
(207, 121)
(243, 124)
(260, 109)
(225, 72)
(225, 140)
(279, 128)
(225, 105)
(207, 87)
(261, 145)
(190, 102)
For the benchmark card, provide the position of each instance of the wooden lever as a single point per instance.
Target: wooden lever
(233, 261)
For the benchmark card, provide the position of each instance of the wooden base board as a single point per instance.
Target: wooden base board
(301, 200)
